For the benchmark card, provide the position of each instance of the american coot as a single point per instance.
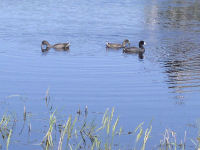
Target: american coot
(135, 49)
(117, 46)
(59, 46)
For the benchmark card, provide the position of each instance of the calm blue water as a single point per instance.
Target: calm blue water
(163, 86)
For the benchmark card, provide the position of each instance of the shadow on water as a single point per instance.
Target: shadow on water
(141, 55)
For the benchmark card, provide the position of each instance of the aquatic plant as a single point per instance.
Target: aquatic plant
(169, 141)
(80, 132)
(67, 129)
(8, 139)
(48, 140)
(6, 129)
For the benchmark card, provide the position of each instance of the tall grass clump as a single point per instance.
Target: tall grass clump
(48, 140)
(89, 135)
(169, 141)
(142, 135)
(6, 129)
(82, 132)
(67, 130)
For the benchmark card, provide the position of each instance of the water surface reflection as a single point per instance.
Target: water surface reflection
(179, 50)
(177, 14)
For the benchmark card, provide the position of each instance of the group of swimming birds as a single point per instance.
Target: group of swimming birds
(45, 46)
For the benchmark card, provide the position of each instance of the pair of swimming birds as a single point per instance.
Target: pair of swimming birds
(127, 49)
(45, 46)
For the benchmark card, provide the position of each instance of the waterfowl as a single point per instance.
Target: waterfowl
(59, 46)
(135, 49)
(117, 46)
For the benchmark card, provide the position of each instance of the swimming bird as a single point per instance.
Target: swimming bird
(135, 49)
(117, 46)
(59, 46)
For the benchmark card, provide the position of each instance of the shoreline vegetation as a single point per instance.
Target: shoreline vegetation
(79, 132)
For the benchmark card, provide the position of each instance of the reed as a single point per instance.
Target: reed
(6, 129)
(169, 141)
(24, 112)
(114, 127)
(47, 97)
(8, 140)
(4, 122)
(80, 132)
(146, 137)
(67, 129)
(48, 140)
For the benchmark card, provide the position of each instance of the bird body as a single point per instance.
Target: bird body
(141, 48)
(118, 46)
(114, 45)
(133, 50)
(59, 46)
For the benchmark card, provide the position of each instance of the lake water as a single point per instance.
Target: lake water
(164, 86)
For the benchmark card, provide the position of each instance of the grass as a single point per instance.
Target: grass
(83, 134)
(80, 132)
(8, 139)
(6, 129)
(48, 140)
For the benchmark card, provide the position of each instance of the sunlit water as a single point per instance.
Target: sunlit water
(164, 86)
